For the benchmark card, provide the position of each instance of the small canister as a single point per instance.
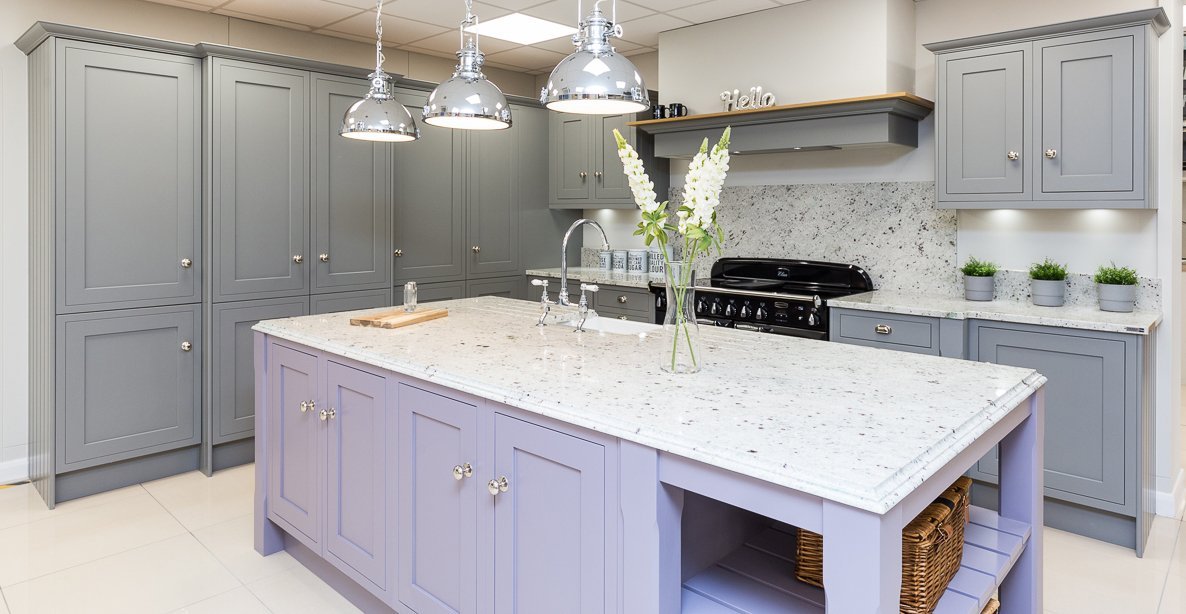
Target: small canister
(619, 260)
(636, 261)
(655, 262)
(605, 260)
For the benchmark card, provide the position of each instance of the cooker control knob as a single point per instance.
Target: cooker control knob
(730, 310)
(812, 319)
(746, 312)
(716, 308)
(701, 306)
(760, 314)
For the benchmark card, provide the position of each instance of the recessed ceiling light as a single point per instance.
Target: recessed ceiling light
(522, 29)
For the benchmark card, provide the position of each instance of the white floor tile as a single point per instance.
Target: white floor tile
(198, 501)
(158, 577)
(232, 542)
(297, 590)
(21, 504)
(62, 541)
(1085, 576)
(1173, 598)
(3, 604)
(236, 601)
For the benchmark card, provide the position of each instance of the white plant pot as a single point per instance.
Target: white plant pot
(1114, 297)
(1048, 293)
(979, 288)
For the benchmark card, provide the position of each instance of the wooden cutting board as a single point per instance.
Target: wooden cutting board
(398, 318)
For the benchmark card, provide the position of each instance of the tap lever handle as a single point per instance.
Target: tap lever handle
(540, 282)
(590, 287)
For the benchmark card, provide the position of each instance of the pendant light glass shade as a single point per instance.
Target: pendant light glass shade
(379, 116)
(595, 80)
(467, 100)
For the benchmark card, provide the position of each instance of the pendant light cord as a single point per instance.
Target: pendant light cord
(379, 37)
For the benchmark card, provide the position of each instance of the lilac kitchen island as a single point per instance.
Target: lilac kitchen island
(478, 463)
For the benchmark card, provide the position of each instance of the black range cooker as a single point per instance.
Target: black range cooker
(772, 295)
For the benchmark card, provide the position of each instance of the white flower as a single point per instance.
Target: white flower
(640, 184)
(702, 187)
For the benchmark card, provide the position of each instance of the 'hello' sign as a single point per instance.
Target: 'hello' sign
(755, 99)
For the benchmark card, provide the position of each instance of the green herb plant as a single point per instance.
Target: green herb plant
(1116, 276)
(1048, 270)
(979, 268)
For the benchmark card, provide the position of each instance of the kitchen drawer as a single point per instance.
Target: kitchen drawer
(631, 302)
(890, 331)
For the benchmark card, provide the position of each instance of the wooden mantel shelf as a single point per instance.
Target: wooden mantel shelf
(867, 121)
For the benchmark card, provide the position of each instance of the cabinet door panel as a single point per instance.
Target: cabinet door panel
(429, 203)
(233, 368)
(984, 119)
(492, 161)
(260, 182)
(570, 157)
(550, 525)
(438, 514)
(356, 536)
(117, 174)
(127, 385)
(611, 184)
(1090, 112)
(506, 287)
(351, 197)
(295, 444)
(1085, 408)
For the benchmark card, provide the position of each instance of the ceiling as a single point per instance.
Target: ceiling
(430, 26)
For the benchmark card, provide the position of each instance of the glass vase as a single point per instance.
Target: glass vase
(681, 334)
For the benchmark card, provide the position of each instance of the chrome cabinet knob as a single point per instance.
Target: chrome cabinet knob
(1051, 154)
(307, 406)
(1013, 155)
(327, 414)
(298, 258)
(399, 253)
(475, 249)
(186, 263)
(497, 486)
(186, 346)
(623, 318)
(883, 329)
(583, 174)
(461, 472)
(323, 257)
(598, 174)
(622, 300)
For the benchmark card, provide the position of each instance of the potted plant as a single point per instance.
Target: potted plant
(1117, 288)
(1048, 283)
(979, 280)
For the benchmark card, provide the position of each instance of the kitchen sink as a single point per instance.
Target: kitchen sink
(615, 326)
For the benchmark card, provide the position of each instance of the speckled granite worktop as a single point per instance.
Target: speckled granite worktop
(601, 276)
(860, 426)
(1077, 316)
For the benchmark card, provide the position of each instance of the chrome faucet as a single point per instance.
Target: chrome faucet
(563, 298)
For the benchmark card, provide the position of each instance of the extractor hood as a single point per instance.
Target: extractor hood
(871, 121)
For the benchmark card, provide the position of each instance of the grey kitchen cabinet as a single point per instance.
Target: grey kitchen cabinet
(296, 443)
(232, 364)
(1047, 118)
(584, 169)
(506, 287)
(351, 191)
(112, 175)
(492, 195)
(637, 304)
(349, 301)
(429, 202)
(129, 384)
(259, 180)
(428, 293)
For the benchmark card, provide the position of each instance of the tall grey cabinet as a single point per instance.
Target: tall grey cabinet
(584, 169)
(1049, 117)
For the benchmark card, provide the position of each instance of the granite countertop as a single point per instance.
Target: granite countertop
(600, 276)
(856, 425)
(1087, 318)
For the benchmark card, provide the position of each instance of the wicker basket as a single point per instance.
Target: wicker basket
(932, 545)
(993, 607)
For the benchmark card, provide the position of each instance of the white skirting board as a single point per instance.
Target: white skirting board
(1171, 501)
(13, 471)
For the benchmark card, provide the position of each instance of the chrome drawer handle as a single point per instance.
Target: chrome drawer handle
(622, 300)
(461, 472)
(623, 318)
(883, 329)
(497, 486)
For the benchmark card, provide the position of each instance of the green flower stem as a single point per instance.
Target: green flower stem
(680, 291)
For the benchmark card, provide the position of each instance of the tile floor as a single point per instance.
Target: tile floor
(183, 544)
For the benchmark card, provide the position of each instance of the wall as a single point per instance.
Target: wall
(145, 19)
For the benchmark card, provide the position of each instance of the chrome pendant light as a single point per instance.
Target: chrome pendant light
(596, 80)
(467, 100)
(379, 116)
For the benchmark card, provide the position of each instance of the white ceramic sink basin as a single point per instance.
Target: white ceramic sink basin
(615, 326)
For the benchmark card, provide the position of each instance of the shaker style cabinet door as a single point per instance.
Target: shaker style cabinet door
(351, 196)
(233, 369)
(260, 197)
(129, 383)
(571, 164)
(429, 202)
(296, 439)
(984, 153)
(493, 195)
(550, 521)
(129, 195)
(358, 474)
(440, 481)
(609, 181)
(1091, 115)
